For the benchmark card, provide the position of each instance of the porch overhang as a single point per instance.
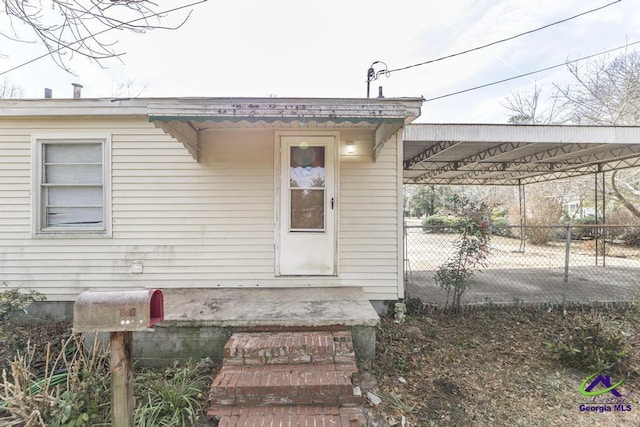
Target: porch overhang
(186, 119)
(477, 154)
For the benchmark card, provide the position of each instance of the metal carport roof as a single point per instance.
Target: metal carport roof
(480, 154)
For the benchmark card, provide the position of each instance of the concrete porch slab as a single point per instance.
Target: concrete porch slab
(198, 322)
(272, 307)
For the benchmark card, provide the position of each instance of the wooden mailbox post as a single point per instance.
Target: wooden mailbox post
(119, 313)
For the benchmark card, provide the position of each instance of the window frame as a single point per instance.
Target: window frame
(38, 222)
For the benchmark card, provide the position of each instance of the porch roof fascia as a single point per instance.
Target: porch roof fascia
(406, 109)
(184, 119)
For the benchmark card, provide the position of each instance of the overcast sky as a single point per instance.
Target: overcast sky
(297, 48)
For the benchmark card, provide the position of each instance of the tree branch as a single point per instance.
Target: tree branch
(627, 204)
(78, 27)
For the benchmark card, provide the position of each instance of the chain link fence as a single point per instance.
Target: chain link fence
(554, 265)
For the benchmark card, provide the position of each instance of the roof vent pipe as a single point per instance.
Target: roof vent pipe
(380, 95)
(48, 93)
(77, 90)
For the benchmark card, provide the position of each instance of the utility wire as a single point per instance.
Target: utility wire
(530, 73)
(503, 40)
(101, 32)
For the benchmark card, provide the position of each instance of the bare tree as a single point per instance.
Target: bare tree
(608, 93)
(82, 27)
(603, 92)
(9, 89)
(128, 89)
(528, 108)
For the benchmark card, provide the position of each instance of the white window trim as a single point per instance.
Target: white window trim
(36, 179)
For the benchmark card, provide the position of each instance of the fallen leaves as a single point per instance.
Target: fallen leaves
(488, 367)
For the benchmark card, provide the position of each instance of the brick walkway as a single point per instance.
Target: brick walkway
(287, 379)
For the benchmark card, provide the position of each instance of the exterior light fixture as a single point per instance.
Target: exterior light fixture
(351, 147)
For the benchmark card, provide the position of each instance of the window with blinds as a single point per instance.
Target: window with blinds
(71, 193)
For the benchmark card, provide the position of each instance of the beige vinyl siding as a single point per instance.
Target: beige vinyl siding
(192, 224)
(369, 223)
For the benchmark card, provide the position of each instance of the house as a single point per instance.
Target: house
(574, 209)
(202, 193)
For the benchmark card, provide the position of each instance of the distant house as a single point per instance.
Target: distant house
(575, 209)
(100, 194)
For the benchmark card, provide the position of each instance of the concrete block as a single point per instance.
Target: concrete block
(364, 342)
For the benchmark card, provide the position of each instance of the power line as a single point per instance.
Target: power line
(530, 73)
(503, 40)
(64, 46)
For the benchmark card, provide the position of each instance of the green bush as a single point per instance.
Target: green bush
(588, 344)
(14, 302)
(442, 223)
(414, 306)
(500, 227)
(582, 231)
(471, 249)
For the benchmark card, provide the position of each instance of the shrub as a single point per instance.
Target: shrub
(500, 227)
(537, 234)
(14, 302)
(582, 231)
(414, 306)
(631, 237)
(588, 344)
(442, 223)
(471, 250)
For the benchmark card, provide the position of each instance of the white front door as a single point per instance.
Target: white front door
(307, 205)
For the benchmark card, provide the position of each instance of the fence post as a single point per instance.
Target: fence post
(566, 270)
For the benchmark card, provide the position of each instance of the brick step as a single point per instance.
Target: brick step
(260, 385)
(316, 347)
(294, 416)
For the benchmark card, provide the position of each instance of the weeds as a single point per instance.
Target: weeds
(71, 388)
(171, 397)
(399, 404)
(68, 390)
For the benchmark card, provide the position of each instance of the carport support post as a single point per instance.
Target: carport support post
(565, 281)
(523, 216)
(601, 233)
(121, 378)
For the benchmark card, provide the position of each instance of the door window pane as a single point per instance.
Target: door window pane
(307, 210)
(306, 167)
